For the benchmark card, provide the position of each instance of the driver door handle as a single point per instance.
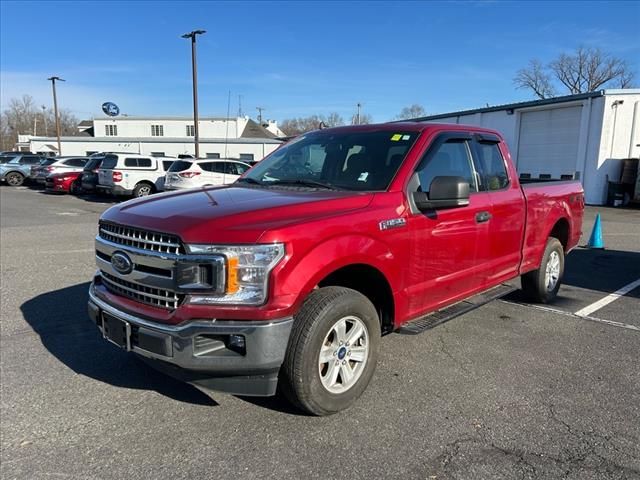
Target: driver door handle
(482, 217)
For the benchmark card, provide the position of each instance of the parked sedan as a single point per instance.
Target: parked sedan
(18, 169)
(67, 182)
(62, 165)
(202, 173)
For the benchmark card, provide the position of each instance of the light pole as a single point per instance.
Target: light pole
(55, 110)
(359, 105)
(192, 35)
(44, 120)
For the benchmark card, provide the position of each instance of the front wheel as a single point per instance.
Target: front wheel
(332, 351)
(542, 285)
(14, 179)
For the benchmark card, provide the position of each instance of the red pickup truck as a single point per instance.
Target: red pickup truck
(289, 277)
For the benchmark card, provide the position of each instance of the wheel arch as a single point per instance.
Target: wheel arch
(370, 282)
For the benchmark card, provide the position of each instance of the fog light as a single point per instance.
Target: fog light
(237, 344)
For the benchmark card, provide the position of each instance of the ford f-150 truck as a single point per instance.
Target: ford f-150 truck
(289, 277)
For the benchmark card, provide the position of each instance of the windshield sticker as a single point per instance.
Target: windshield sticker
(363, 177)
(396, 137)
(406, 137)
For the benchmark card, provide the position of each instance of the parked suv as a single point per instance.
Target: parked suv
(131, 174)
(15, 171)
(201, 173)
(61, 165)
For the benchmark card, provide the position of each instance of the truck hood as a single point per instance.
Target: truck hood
(232, 214)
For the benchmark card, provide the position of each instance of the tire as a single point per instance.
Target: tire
(75, 189)
(143, 189)
(14, 179)
(322, 388)
(542, 285)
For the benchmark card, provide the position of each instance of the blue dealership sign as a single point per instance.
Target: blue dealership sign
(111, 109)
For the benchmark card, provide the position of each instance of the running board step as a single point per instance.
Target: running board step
(438, 317)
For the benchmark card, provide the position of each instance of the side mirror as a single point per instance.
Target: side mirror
(444, 192)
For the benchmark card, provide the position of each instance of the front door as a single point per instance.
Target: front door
(448, 247)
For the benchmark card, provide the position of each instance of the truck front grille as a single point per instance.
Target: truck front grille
(151, 296)
(142, 239)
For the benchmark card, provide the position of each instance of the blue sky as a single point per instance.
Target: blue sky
(296, 58)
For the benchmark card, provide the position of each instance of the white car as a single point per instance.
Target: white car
(131, 174)
(201, 173)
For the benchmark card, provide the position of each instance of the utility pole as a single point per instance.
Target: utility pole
(194, 74)
(44, 120)
(260, 110)
(359, 105)
(55, 110)
(239, 105)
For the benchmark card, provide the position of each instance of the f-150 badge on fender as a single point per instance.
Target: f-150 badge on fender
(393, 223)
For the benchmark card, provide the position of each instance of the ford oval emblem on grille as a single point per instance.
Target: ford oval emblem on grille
(121, 263)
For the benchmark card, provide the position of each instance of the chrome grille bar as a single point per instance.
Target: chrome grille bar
(151, 296)
(142, 239)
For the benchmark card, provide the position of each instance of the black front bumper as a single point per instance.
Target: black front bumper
(206, 353)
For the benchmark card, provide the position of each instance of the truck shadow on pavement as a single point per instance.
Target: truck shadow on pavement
(597, 270)
(60, 319)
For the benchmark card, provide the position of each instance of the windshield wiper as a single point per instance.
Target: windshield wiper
(303, 183)
(249, 180)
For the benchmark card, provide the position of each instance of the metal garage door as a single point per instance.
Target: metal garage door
(548, 141)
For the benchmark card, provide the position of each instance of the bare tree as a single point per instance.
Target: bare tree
(536, 79)
(23, 117)
(585, 70)
(413, 111)
(296, 126)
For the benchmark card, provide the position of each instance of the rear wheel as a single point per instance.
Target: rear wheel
(142, 190)
(542, 285)
(14, 179)
(75, 188)
(332, 351)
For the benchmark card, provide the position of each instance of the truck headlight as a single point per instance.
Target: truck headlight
(247, 272)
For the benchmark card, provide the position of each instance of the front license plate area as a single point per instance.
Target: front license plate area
(116, 331)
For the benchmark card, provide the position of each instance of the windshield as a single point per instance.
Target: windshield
(341, 160)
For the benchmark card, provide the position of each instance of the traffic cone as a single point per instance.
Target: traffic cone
(595, 240)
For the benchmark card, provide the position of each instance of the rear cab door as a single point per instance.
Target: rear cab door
(506, 225)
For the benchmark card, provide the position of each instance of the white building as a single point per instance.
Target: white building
(239, 138)
(582, 136)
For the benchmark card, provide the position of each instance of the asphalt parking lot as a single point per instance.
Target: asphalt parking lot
(506, 391)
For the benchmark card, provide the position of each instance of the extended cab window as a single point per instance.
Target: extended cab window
(451, 158)
(492, 165)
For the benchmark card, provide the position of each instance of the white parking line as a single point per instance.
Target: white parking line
(573, 315)
(603, 302)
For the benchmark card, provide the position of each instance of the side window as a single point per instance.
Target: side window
(137, 162)
(492, 165)
(75, 162)
(240, 168)
(451, 158)
(206, 166)
(144, 162)
(219, 167)
(30, 160)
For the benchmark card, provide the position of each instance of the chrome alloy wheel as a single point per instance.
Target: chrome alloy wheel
(344, 354)
(144, 190)
(552, 272)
